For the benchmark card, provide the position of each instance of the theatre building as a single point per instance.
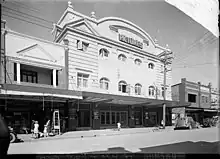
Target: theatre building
(117, 67)
(33, 81)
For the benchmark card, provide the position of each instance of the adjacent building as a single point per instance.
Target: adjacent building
(195, 99)
(118, 68)
(33, 81)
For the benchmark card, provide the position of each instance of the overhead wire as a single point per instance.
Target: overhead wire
(23, 6)
(26, 17)
(28, 14)
(27, 21)
(203, 46)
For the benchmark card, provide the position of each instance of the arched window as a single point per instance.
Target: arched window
(151, 91)
(138, 89)
(137, 61)
(122, 86)
(122, 57)
(104, 83)
(103, 52)
(151, 65)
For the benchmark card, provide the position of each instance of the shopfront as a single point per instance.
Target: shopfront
(106, 112)
(20, 108)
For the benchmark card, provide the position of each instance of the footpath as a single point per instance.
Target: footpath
(95, 133)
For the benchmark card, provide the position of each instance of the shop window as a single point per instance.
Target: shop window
(107, 117)
(113, 118)
(192, 98)
(82, 45)
(103, 53)
(102, 117)
(151, 66)
(29, 76)
(122, 57)
(138, 89)
(82, 80)
(137, 61)
(104, 83)
(151, 91)
(122, 86)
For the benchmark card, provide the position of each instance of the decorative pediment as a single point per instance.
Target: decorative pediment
(82, 25)
(35, 51)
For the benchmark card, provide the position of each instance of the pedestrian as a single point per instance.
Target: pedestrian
(119, 125)
(36, 129)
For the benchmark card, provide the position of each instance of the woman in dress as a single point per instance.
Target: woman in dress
(36, 129)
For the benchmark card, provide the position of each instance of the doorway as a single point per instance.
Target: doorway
(84, 118)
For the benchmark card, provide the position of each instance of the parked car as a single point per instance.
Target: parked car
(185, 123)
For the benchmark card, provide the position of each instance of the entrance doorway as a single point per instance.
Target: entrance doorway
(153, 118)
(138, 117)
(84, 118)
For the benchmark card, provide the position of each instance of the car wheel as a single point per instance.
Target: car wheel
(12, 137)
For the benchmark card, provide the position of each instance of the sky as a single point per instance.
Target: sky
(195, 48)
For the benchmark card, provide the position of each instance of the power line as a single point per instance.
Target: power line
(24, 6)
(27, 21)
(29, 15)
(26, 17)
(189, 48)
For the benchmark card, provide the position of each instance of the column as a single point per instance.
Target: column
(54, 78)
(18, 73)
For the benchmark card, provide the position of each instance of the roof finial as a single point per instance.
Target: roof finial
(156, 41)
(93, 14)
(70, 4)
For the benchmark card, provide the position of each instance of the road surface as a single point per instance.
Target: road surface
(203, 140)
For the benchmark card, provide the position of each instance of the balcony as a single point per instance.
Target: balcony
(35, 76)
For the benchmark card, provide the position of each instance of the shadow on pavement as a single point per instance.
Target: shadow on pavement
(182, 147)
(177, 150)
(185, 147)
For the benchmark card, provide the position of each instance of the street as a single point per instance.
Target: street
(203, 140)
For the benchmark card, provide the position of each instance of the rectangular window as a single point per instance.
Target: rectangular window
(107, 117)
(102, 117)
(192, 98)
(118, 117)
(29, 76)
(15, 72)
(82, 80)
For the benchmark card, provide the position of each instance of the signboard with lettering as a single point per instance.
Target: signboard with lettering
(130, 41)
(96, 114)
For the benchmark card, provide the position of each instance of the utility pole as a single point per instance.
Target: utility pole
(166, 61)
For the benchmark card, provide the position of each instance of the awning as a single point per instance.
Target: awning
(123, 99)
(8, 90)
(211, 110)
(194, 109)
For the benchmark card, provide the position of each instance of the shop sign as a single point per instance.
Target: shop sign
(130, 41)
(96, 114)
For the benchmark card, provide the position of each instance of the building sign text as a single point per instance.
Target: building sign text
(130, 41)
